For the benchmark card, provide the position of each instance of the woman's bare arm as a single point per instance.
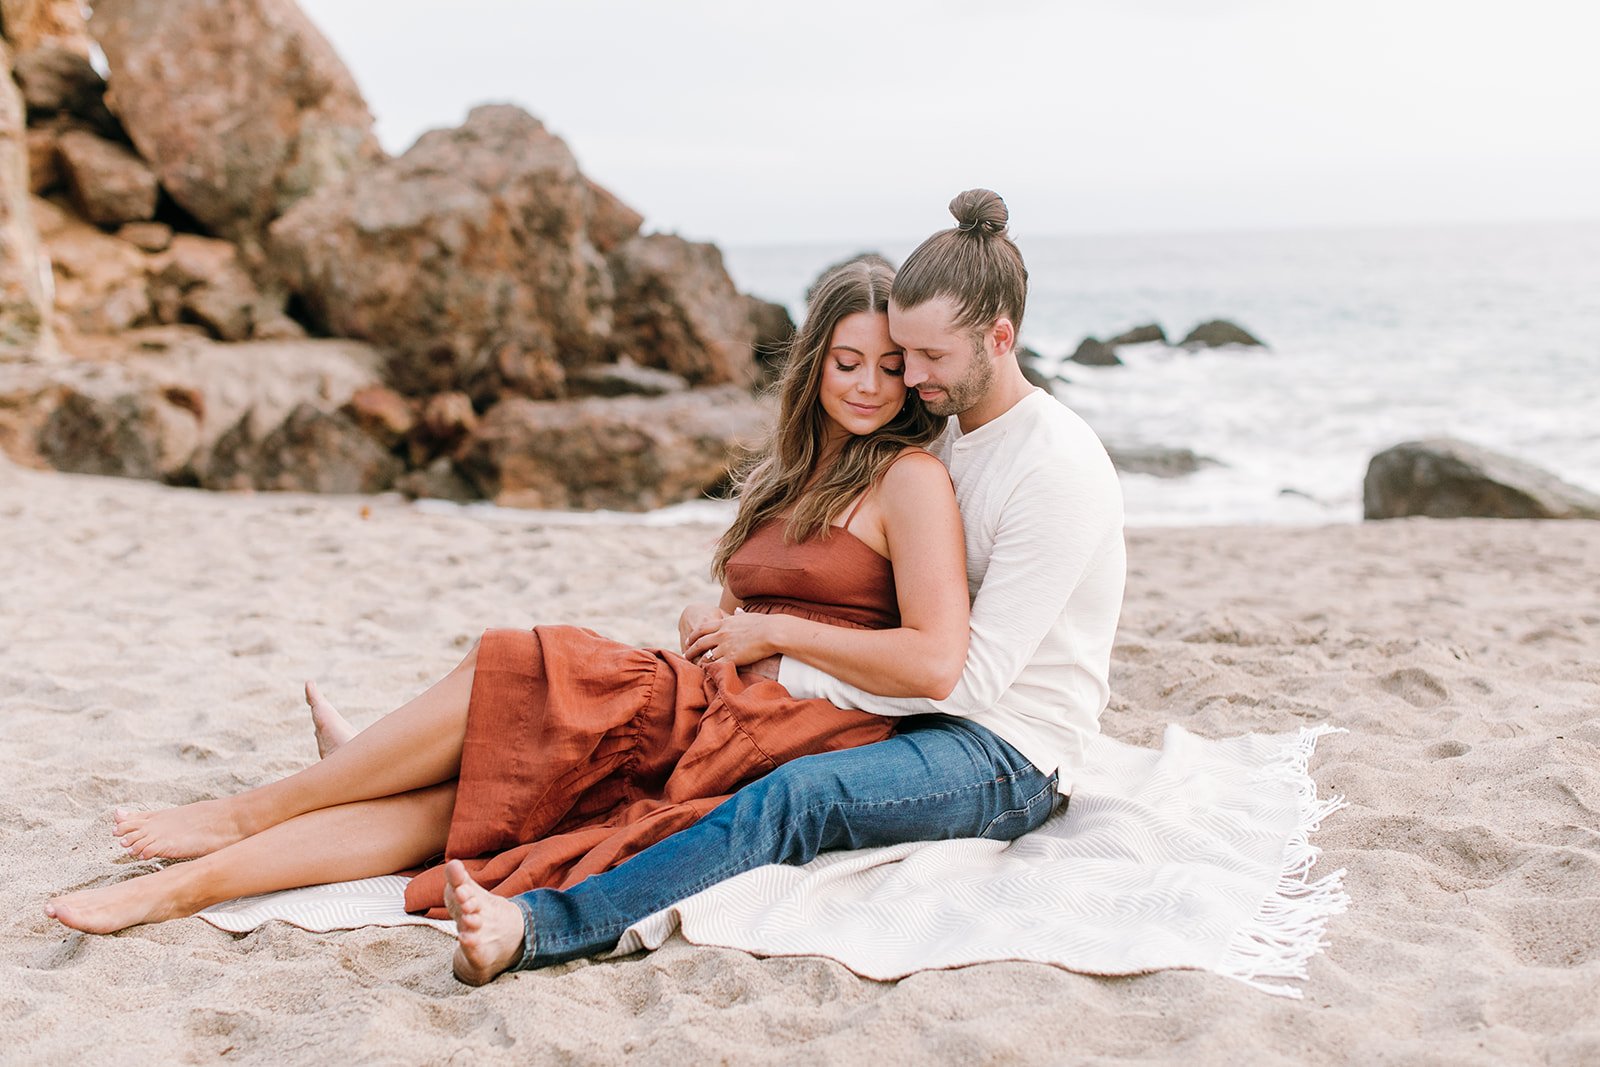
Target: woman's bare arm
(924, 655)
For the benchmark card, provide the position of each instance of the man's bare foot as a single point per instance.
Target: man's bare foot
(146, 899)
(489, 929)
(180, 833)
(332, 728)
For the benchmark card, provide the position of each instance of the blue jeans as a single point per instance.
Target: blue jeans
(939, 778)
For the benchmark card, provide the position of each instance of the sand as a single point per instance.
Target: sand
(153, 642)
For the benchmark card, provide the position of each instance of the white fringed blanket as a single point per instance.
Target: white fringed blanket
(1192, 856)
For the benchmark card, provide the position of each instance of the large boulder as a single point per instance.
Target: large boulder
(116, 424)
(24, 271)
(162, 403)
(1159, 461)
(630, 453)
(677, 309)
(1095, 353)
(241, 106)
(469, 256)
(109, 184)
(1139, 335)
(1445, 478)
(1216, 333)
(311, 451)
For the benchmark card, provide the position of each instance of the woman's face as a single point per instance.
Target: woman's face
(863, 372)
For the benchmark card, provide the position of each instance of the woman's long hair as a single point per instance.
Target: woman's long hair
(783, 476)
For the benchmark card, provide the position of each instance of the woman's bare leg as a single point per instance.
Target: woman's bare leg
(358, 840)
(414, 746)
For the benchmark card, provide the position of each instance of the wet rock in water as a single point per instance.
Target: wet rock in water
(110, 185)
(623, 378)
(1216, 333)
(1094, 353)
(24, 304)
(677, 309)
(1029, 361)
(631, 453)
(469, 257)
(1158, 460)
(1446, 478)
(241, 107)
(101, 283)
(1140, 335)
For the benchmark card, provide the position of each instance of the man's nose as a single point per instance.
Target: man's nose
(915, 374)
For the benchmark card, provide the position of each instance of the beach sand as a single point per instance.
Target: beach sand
(153, 642)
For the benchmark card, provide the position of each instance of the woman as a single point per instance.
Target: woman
(562, 753)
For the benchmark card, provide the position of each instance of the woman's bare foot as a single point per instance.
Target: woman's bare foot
(332, 728)
(489, 929)
(146, 899)
(180, 833)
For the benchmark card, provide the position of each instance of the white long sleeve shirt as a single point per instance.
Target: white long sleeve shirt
(1046, 564)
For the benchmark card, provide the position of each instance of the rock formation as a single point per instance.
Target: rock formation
(1445, 478)
(24, 274)
(1094, 353)
(225, 176)
(241, 106)
(469, 257)
(1160, 461)
(1215, 334)
(625, 452)
(1139, 335)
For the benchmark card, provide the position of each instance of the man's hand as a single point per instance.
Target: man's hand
(696, 621)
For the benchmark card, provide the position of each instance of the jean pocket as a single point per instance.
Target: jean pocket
(1012, 824)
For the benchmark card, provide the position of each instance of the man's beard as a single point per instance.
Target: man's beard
(966, 393)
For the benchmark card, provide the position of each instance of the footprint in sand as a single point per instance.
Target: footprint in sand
(1415, 686)
(1446, 750)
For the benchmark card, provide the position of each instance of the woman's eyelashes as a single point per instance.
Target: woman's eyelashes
(895, 368)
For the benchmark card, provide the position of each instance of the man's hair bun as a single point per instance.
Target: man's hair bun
(980, 211)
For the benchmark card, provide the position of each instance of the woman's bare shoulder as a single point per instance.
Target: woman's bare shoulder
(916, 477)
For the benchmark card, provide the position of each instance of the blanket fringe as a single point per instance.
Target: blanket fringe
(1287, 930)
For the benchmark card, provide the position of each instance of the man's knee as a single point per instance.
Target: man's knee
(792, 807)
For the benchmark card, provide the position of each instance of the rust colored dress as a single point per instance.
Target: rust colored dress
(581, 751)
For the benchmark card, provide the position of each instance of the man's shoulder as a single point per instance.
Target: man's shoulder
(1059, 444)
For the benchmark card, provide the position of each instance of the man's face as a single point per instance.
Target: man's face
(946, 365)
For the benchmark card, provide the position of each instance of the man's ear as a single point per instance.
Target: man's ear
(1002, 336)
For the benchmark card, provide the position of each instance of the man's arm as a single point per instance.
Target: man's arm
(1050, 530)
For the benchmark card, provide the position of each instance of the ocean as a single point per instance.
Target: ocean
(1376, 336)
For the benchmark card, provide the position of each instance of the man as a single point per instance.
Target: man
(1042, 515)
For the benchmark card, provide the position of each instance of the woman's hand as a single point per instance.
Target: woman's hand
(740, 639)
(696, 621)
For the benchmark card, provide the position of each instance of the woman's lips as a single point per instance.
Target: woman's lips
(864, 409)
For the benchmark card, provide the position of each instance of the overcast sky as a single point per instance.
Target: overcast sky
(751, 122)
